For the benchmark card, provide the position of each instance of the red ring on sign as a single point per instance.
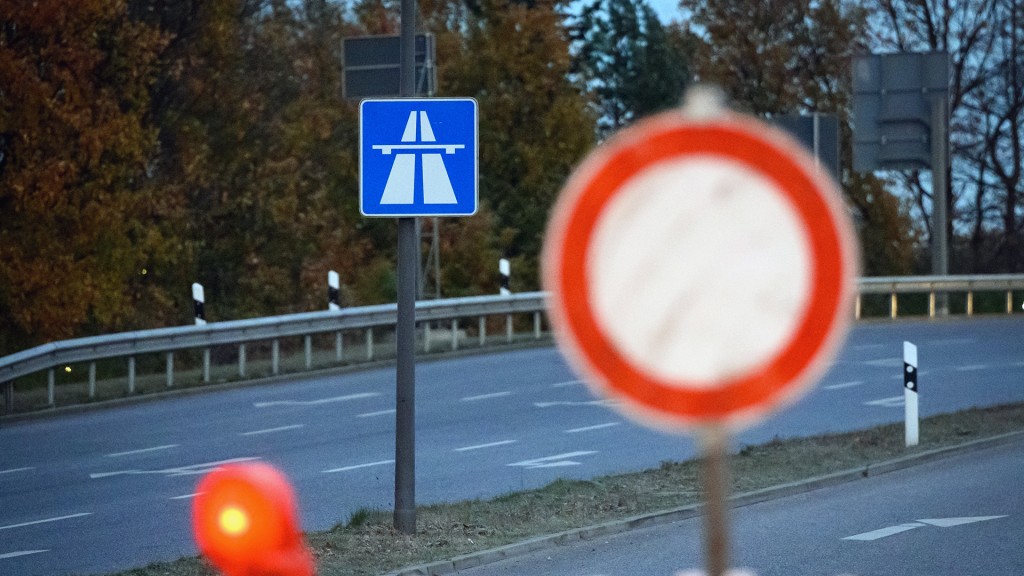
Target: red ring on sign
(667, 138)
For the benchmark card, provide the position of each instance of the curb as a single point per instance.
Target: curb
(550, 541)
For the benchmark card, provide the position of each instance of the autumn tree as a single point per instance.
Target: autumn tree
(792, 56)
(983, 39)
(533, 124)
(78, 227)
(625, 60)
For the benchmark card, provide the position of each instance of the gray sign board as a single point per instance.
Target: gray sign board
(819, 133)
(371, 66)
(893, 99)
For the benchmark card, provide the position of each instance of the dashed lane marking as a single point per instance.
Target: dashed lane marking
(374, 414)
(972, 367)
(358, 466)
(185, 496)
(175, 471)
(482, 446)
(20, 553)
(317, 402)
(45, 520)
(567, 383)
(605, 402)
(594, 427)
(486, 396)
(15, 470)
(891, 402)
(843, 385)
(272, 430)
(142, 450)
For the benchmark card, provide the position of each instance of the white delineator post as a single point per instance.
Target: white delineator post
(910, 392)
(505, 268)
(333, 287)
(199, 307)
(199, 303)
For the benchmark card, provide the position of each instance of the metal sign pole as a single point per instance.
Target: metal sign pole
(405, 329)
(715, 480)
(940, 197)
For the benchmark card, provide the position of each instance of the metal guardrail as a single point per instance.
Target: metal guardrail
(128, 345)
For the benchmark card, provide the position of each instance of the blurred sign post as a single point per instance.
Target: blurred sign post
(901, 122)
(701, 270)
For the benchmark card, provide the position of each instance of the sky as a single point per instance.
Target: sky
(667, 10)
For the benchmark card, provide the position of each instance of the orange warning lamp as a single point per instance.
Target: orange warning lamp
(245, 523)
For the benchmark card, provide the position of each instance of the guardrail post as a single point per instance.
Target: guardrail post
(241, 360)
(92, 380)
(170, 369)
(536, 325)
(970, 303)
(369, 344)
(131, 375)
(1009, 301)
(9, 397)
(49, 388)
(482, 330)
(455, 333)
(893, 306)
(339, 353)
(426, 337)
(206, 366)
(508, 328)
(857, 308)
(931, 304)
(308, 345)
(275, 357)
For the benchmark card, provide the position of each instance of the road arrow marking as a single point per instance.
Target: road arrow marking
(938, 522)
(142, 450)
(176, 471)
(883, 532)
(555, 461)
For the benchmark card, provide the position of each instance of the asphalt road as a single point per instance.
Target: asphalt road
(111, 489)
(958, 516)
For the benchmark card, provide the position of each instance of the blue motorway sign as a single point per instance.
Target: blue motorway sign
(418, 157)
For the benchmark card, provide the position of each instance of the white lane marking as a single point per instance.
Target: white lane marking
(176, 471)
(1021, 364)
(589, 428)
(486, 396)
(891, 402)
(272, 430)
(46, 520)
(331, 400)
(566, 383)
(883, 532)
(20, 553)
(843, 385)
(949, 522)
(488, 445)
(358, 466)
(972, 367)
(13, 470)
(885, 363)
(142, 450)
(605, 402)
(558, 460)
(377, 413)
(185, 496)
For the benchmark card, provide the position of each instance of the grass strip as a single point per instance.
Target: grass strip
(367, 545)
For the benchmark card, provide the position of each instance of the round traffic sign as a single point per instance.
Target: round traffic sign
(700, 269)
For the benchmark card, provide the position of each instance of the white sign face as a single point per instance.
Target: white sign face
(700, 270)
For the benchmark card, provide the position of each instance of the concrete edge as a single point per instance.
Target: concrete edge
(457, 563)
